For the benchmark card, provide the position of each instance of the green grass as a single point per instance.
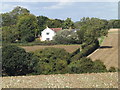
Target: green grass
(101, 39)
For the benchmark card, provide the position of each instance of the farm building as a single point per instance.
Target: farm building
(48, 33)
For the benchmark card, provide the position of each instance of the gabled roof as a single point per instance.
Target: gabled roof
(56, 29)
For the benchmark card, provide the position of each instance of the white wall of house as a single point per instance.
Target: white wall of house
(47, 34)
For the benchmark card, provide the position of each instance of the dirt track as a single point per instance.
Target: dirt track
(99, 80)
(108, 52)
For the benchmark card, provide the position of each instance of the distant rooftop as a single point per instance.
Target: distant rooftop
(56, 29)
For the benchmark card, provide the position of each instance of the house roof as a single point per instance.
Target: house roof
(56, 29)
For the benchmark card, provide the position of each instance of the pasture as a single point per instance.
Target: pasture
(68, 48)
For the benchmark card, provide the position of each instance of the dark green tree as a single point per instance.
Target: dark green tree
(68, 23)
(52, 61)
(99, 66)
(84, 65)
(10, 18)
(16, 61)
(27, 27)
(9, 33)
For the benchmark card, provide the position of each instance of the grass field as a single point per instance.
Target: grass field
(68, 48)
(108, 52)
(93, 80)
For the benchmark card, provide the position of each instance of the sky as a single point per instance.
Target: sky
(62, 10)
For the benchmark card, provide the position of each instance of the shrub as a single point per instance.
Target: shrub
(84, 65)
(52, 61)
(86, 51)
(99, 66)
(28, 38)
(112, 69)
(16, 61)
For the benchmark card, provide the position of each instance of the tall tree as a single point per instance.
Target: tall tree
(27, 27)
(11, 17)
(68, 23)
(9, 33)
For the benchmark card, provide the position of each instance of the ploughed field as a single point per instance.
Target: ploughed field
(93, 80)
(108, 51)
(68, 48)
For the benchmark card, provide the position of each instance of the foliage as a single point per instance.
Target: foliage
(112, 69)
(27, 27)
(91, 29)
(52, 61)
(114, 23)
(99, 66)
(47, 61)
(68, 23)
(42, 23)
(15, 61)
(75, 52)
(11, 17)
(86, 65)
(45, 21)
(66, 36)
(9, 33)
(86, 50)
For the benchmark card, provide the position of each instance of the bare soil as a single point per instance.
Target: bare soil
(93, 80)
(108, 52)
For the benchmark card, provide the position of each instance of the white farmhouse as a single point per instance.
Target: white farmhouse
(48, 33)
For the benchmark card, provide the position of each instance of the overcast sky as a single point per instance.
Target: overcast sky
(62, 10)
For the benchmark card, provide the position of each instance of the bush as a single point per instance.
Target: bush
(86, 50)
(52, 61)
(99, 66)
(28, 38)
(84, 65)
(112, 69)
(16, 61)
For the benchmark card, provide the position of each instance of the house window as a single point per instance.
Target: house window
(47, 33)
(47, 39)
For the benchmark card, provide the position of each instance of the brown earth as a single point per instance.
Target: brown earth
(68, 48)
(93, 80)
(108, 52)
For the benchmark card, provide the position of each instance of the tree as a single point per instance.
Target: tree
(11, 17)
(99, 66)
(15, 61)
(54, 23)
(52, 61)
(66, 36)
(42, 23)
(27, 27)
(68, 23)
(9, 33)
(45, 21)
(84, 65)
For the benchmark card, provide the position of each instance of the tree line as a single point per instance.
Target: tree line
(19, 25)
(16, 61)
